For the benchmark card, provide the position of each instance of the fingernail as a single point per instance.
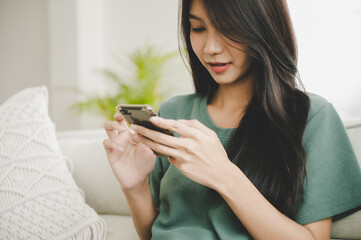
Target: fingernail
(154, 119)
(132, 126)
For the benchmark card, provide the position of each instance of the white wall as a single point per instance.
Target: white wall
(57, 43)
(329, 39)
(76, 49)
(60, 42)
(131, 24)
(24, 45)
(63, 58)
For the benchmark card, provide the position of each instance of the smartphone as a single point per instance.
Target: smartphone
(140, 115)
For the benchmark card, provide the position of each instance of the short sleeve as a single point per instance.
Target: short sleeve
(333, 182)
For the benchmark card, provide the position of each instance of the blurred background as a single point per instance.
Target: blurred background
(86, 51)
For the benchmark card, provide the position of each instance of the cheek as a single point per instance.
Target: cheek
(243, 61)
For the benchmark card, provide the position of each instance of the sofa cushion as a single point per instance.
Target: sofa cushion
(120, 227)
(92, 171)
(38, 196)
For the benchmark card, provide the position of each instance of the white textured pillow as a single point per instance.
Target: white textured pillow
(38, 197)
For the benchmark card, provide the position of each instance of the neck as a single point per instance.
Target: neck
(233, 98)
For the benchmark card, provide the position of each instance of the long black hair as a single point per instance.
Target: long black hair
(267, 144)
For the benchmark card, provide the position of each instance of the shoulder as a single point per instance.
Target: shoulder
(323, 118)
(179, 106)
(318, 106)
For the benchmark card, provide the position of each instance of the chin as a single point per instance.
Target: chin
(224, 80)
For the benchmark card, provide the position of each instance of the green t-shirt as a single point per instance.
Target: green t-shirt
(189, 210)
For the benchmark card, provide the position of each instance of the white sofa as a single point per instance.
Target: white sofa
(94, 176)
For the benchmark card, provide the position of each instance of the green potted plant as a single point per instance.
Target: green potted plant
(142, 86)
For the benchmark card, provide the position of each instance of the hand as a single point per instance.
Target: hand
(197, 153)
(130, 160)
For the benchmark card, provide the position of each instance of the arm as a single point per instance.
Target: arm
(142, 209)
(262, 219)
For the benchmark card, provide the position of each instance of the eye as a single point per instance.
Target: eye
(201, 29)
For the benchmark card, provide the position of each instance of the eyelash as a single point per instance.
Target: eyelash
(201, 29)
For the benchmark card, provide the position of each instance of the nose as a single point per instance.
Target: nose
(214, 44)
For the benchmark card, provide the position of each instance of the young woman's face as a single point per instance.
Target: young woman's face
(219, 56)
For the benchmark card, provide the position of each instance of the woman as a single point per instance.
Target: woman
(254, 156)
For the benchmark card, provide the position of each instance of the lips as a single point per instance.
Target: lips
(219, 67)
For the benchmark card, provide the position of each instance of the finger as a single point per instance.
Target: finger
(107, 146)
(194, 123)
(118, 117)
(113, 125)
(173, 126)
(156, 136)
(114, 128)
(157, 147)
(112, 148)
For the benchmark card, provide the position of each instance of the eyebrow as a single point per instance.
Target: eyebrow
(191, 16)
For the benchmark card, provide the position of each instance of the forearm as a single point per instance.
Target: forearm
(261, 218)
(142, 209)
